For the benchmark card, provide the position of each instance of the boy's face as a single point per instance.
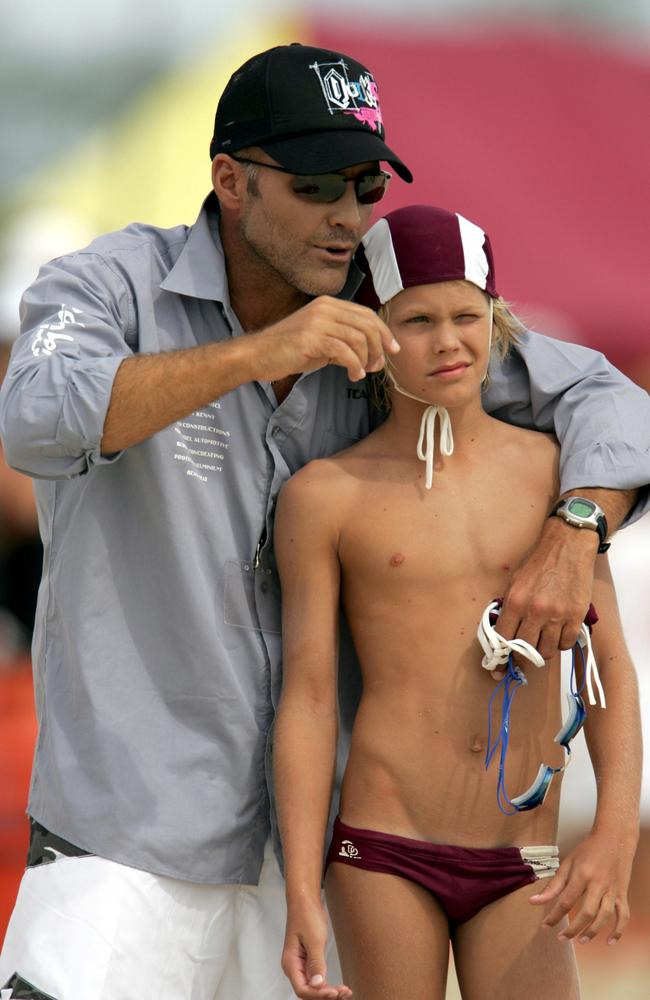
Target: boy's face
(443, 332)
(310, 245)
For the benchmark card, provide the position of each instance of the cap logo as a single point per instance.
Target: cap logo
(359, 98)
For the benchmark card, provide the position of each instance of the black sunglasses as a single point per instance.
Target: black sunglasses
(323, 188)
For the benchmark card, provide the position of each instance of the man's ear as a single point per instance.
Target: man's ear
(228, 181)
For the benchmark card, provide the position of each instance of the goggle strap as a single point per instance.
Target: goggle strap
(591, 670)
(497, 649)
(508, 686)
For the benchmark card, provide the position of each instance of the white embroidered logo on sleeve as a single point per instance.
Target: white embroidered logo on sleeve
(48, 336)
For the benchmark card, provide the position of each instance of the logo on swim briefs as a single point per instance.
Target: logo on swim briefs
(359, 98)
(348, 850)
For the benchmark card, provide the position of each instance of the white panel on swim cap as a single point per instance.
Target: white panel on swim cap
(476, 263)
(380, 254)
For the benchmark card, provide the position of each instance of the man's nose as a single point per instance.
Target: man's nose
(346, 211)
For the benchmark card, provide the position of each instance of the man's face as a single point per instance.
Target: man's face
(309, 245)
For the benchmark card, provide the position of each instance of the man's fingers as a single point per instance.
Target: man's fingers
(338, 352)
(569, 634)
(387, 343)
(549, 640)
(376, 366)
(509, 622)
(530, 631)
(378, 337)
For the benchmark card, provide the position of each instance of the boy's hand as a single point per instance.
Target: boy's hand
(303, 955)
(592, 881)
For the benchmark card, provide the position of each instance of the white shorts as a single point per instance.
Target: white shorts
(88, 929)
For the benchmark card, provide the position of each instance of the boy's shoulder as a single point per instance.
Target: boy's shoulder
(316, 480)
(521, 438)
(517, 452)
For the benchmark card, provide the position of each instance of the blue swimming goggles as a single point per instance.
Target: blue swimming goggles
(499, 651)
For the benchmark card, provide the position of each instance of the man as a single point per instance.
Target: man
(165, 386)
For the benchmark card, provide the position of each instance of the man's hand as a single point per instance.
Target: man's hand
(303, 955)
(593, 881)
(325, 331)
(550, 592)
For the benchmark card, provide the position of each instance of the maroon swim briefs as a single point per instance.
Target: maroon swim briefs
(463, 879)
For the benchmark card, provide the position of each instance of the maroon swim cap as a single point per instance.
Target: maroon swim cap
(422, 245)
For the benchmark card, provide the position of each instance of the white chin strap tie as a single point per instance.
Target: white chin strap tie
(427, 438)
(426, 449)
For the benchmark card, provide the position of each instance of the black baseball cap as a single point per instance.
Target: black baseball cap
(311, 109)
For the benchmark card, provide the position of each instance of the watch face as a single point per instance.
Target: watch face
(581, 508)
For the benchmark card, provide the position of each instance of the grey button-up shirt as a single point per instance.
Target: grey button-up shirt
(157, 646)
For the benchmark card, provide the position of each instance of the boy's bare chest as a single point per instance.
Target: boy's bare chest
(400, 534)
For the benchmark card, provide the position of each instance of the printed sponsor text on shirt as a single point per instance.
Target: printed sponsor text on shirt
(200, 445)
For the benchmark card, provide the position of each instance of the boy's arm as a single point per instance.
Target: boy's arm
(602, 421)
(593, 879)
(304, 750)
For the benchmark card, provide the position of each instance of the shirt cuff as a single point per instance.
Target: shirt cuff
(610, 466)
(85, 405)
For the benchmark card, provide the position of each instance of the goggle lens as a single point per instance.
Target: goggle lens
(574, 721)
(535, 795)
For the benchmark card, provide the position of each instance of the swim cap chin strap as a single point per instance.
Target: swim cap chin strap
(426, 449)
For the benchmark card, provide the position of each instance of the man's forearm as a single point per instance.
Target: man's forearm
(616, 503)
(152, 391)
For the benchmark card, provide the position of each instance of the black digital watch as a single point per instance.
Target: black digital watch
(582, 513)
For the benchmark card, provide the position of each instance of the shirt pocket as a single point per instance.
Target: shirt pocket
(251, 597)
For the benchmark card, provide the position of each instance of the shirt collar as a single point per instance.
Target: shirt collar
(200, 270)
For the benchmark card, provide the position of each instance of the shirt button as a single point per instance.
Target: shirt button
(275, 431)
(264, 586)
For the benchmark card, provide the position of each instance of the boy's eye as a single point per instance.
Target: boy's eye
(418, 319)
(467, 317)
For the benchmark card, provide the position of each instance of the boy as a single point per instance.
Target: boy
(421, 855)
